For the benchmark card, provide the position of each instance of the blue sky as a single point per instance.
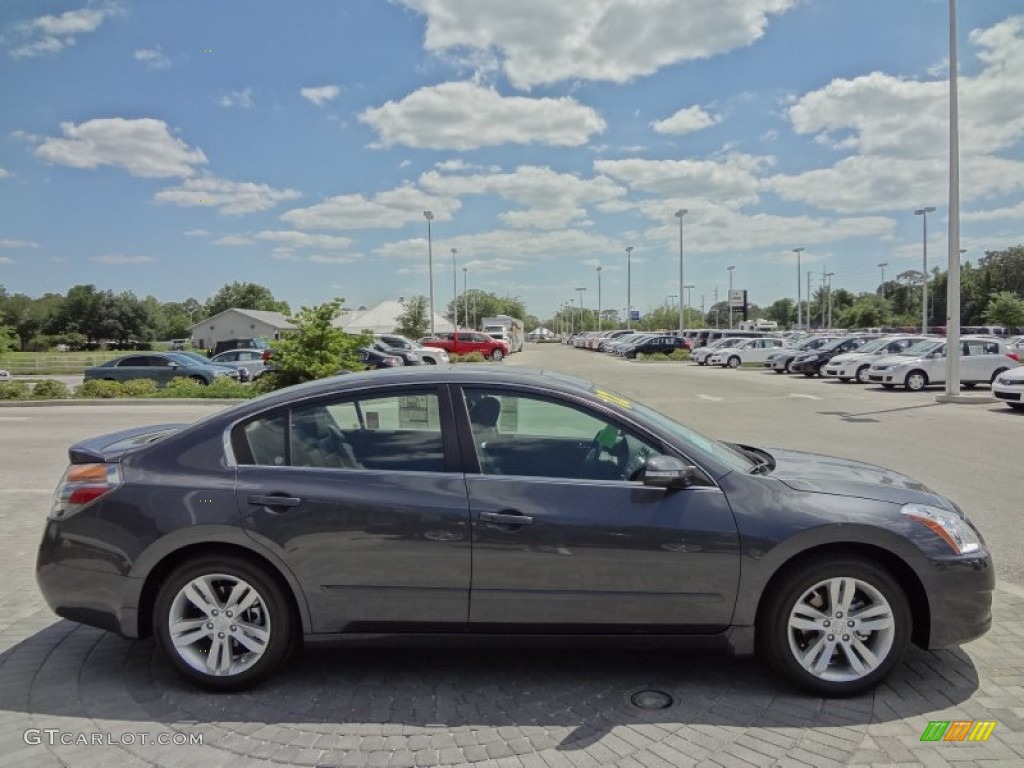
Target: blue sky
(168, 148)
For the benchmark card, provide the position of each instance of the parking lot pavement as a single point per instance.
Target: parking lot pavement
(503, 707)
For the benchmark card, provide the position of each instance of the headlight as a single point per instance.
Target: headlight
(948, 525)
(880, 367)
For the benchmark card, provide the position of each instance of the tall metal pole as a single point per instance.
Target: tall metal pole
(953, 256)
(799, 310)
(728, 299)
(629, 287)
(923, 213)
(682, 315)
(455, 290)
(582, 320)
(572, 317)
(465, 299)
(883, 265)
(600, 324)
(430, 267)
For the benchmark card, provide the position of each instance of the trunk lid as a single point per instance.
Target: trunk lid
(114, 445)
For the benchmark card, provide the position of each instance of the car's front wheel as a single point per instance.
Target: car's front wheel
(496, 355)
(734, 362)
(916, 381)
(223, 622)
(836, 627)
(862, 374)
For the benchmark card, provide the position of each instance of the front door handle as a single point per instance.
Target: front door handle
(275, 501)
(505, 518)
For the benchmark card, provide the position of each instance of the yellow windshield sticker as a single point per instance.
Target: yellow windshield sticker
(609, 397)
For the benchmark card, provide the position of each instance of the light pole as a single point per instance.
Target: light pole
(688, 302)
(829, 276)
(682, 317)
(465, 298)
(572, 316)
(728, 299)
(580, 292)
(600, 325)
(923, 213)
(430, 267)
(799, 299)
(882, 266)
(455, 291)
(629, 287)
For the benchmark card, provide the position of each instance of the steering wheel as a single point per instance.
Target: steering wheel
(619, 451)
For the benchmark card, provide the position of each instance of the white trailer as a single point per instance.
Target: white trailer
(507, 328)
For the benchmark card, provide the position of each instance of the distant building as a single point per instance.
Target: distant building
(383, 318)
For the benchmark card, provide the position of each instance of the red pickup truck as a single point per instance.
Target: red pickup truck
(464, 342)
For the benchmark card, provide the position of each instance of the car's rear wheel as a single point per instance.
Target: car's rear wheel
(496, 355)
(198, 380)
(835, 627)
(862, 374)
(734, 362)
(223, 622)
(916, 381)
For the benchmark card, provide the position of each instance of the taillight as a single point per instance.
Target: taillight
(266, 355)
(82, 484)
(1013, 356)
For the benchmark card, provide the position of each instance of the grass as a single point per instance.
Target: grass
(63, 363)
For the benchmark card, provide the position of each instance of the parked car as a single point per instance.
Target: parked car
(347, 506)
(813, 363)
(700, 355)
(408, 356)
(466, 342)
(229, 344)
(249, 360)
(5, 375)
(749, 351)
(161, 367)
(233, 372)
(429, 355)
(855, 365)
(374, 359)
(982, 359)
(780, 361)
(661, 342)
(1009, 388)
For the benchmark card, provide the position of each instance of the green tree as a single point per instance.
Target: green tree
(8, 339)
(85, 310)
(1006, 309)
(413, 321)
(244, 296)
(317, 348)
(782, 311)
(128, 319)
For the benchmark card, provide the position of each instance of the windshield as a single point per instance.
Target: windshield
(694, 443)
(874, 346)
(188, 360)
(922, 348)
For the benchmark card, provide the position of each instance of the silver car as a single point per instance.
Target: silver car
(1009, 387)
(248, 360)
(855, 365)
(983, 358)
(701, 354)
(781, 360)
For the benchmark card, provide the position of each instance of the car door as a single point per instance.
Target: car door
(564, 539)
(133, 367)
(363, 498)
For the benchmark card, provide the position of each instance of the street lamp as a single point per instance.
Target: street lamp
(882, 266)
(580, 292)
(829, 276)
(688, 302)
(429, 216)
(799, 298)
(572, 316)
(465, 299)
(629, 287)
(728, 299)
(682, 318)
(923, 213)
(600, 325)
(455, 291)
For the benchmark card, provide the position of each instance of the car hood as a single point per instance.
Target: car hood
(815, 473)
(897, 360)
(849, 357)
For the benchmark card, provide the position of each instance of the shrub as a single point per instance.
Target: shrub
(679, 354)
(14, 390)
(98, 388)
(139, 387)
(50, 389)
(182, 387)
(222, 387)
(473, 357)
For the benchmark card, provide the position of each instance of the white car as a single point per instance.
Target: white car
(701, 354)
(855, 365)
(749, 351)
(983, 358)
(780, 360)
(1009, 387)
(429, 355)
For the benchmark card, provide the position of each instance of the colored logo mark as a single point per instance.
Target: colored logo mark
(207, 50)
(958, 730)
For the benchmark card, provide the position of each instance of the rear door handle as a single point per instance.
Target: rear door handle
(275, 501)
(505, 518)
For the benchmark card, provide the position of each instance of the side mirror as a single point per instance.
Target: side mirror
(669, 472)
(173, 364)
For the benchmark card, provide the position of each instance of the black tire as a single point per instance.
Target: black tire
(733, 362)
(273, 605)
(496, 355)
(862, 374)
(916, 381)
(996, 374)
(780, 644)
(786, 367)
(809, 374)
(199, 380)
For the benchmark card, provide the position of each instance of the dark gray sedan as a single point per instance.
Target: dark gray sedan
(499, 502)
(161, 367)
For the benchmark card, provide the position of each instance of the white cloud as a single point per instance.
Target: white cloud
(233, 240)
(486, 249)
(241, 99)
(51, 34)
(539, 41)
(18, 244)
(153, 58)
(232, 198)
(198, 233)
(4, 173)
(293, 239)
(122, 259)
(550, 200)
(390, 209)
(332, 258)
(465, 116)
(1016, 212)
(144, 147)
(685, 121)
(321, 94)
(732, 180)
(6, 260)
